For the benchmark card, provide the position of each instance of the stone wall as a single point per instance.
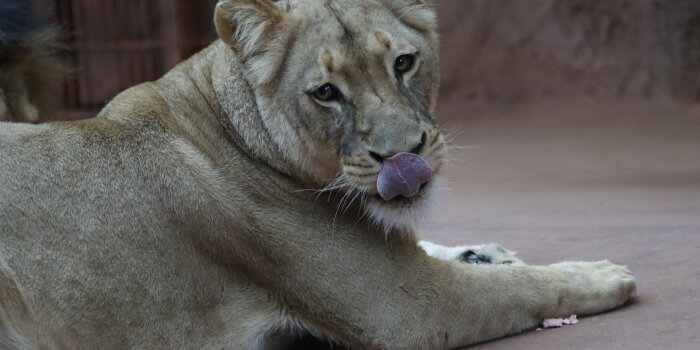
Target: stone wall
(523, 49)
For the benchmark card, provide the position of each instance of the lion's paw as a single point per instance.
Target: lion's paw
(595, 286)
(477, 254)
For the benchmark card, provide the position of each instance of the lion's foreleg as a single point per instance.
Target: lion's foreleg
(502, 300)
(373, 295)
(4, 108)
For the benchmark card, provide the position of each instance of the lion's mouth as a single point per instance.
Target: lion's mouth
(402, 211)
(401, 199)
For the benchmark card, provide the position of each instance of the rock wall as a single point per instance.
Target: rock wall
(524, 49)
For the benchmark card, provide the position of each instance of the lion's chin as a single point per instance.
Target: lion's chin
(403, 214)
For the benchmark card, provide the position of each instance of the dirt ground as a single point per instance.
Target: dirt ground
(585, 180)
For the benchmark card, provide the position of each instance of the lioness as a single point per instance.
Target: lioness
(180, 216)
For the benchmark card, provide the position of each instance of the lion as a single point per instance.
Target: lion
(31, 66)
(186, 214)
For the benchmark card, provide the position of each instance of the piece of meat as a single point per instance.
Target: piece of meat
(558, 322)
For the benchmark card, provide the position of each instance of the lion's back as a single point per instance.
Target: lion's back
(83, 218)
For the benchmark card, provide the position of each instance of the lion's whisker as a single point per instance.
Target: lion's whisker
(359, 192)
(451, 145)
(340, 204)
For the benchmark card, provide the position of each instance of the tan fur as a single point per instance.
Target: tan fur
(180, 216)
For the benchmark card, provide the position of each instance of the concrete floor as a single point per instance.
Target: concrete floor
(585, 180)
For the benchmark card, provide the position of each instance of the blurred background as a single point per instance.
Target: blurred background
(115, 44)
(492, 50)
(576, 127)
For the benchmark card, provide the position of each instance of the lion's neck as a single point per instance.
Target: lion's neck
(241, 115)
(216, 76)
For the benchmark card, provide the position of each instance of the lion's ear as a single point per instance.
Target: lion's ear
(253, 29)
(419, 14)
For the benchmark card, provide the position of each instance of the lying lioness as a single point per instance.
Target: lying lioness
(180, 216)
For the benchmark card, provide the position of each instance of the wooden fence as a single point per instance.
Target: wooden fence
(115, 44)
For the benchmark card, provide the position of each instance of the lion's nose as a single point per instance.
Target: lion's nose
(415, 150)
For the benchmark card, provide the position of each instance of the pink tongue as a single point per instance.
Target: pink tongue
(402, 174)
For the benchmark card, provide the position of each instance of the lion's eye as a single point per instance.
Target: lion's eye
(326, 93)
(404, 63)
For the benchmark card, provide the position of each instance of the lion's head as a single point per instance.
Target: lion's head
(347, 87)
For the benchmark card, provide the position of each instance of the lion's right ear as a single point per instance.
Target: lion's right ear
(253, 29)
(419, 14)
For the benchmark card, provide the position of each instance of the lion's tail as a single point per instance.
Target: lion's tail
(30, 63)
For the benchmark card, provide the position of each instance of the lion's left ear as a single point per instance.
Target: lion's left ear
(419, 14)
(254, 29)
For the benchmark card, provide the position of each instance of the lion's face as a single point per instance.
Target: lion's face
(348, 88)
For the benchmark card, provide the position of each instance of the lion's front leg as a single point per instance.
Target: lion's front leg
(16, 105)
(367, 294)
(504, 300)
(4, 110)
(594, 287)
(472, 254)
